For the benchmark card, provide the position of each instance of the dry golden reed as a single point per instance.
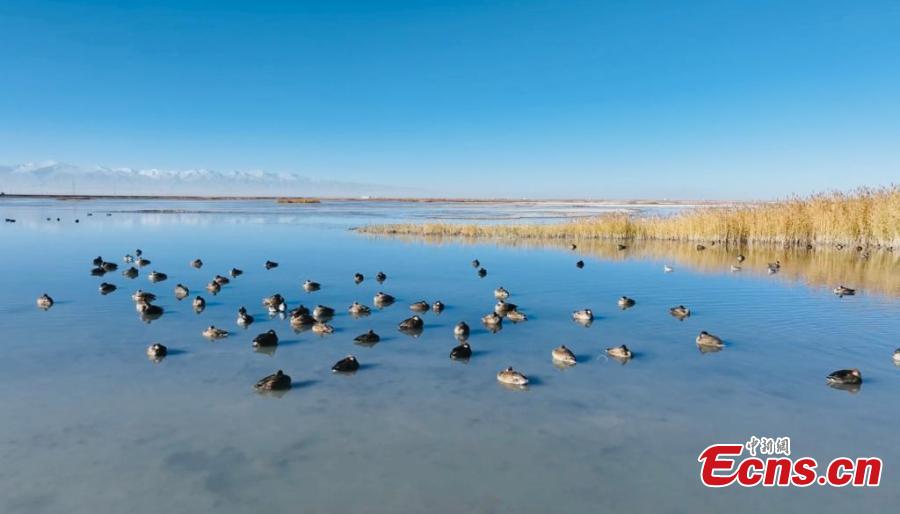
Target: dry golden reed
(868, 217)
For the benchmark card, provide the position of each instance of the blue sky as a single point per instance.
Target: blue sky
(704, 99)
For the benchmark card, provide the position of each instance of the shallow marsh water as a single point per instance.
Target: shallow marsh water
(91, 425)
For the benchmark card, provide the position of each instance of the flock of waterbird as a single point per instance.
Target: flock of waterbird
(301, 318)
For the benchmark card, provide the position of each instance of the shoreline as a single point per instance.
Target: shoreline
(319, 199)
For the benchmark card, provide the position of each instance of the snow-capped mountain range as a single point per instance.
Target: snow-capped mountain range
(62, 178)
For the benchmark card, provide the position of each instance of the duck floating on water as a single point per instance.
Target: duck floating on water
(579, 264)
(584, 315)
(500, 293)
(420, 306)
(563, 355)
(369, 337)
(512, 377)
(198, 304)
(156, 276)
(322, 312)
(348, 364)
(462, 352)
(235, 272)
(625, 302)
(493, 319)
(844, 291)
(44, 301)
(275, 303)
(845, 377)
(667, 268)
(219, 279)
(157, 351)
(277, 381)
(212, 332)
(380, 277)
(707, 339)
(476, 264)
(268, 338)
(131, 272)
(502, 308)
(196, 263)
(383, 299)
(143, 296)
(243, 318)
(620, 352)
(149, 311)
(740, 257)
(309, 286)
(358, 309)
(413, 323)
(437, 307)
(461, 330)
(516, 316)
(141, 262)
(106, 288)
(482, 272)
(271, 264)
(735, 268)
(181, 292)
(214, 287)
(322, 328)
(358, 278)
(680, 311)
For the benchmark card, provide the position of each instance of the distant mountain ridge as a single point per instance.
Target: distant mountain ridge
(52, 177)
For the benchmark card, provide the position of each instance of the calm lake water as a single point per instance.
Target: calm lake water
(90, 424)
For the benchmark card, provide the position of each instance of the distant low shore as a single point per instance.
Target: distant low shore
(303, 199)
(864, 218)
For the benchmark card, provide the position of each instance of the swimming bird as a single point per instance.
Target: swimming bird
(619, 352)
(109, 266)
(500, 293)
(420, 306)
(271, 264)
(214, 287)
(156, 276)
(735, 267)
(475, 263)
(380, 277)
(157, 350)
(98, 271)
(268, 338)
(563, 355)
(700, 248)
(275, 303)
(413, 323)
(44, 301)
(181, 292)
(244, 319)
(138, 252)
(106, 288)
(668, 269)
(348, 364)
(845, 377)
(437, 307)
(897, 355)
(583, 315)
(774, 266)
(740, 257)
(275, 382)
(141, 262)
(358, 309)
(502, 308)
(369, 337)
(301, 319)
(492, 319)
(382, 299)
(197, 263)
(482, 272)
(98, 260)
(707, 339)
(143, 296)
(198, 304)
(844, 291)
(516, 316)
(461, 330)
(219, 279)
(130, 272)
(322, 328)
(510, 376)
(128, 259)
(680, 311)
(235, 272)
(309, 286)
(621, 247)
(149, 311)
(323, 312)
(579, 264)
(625, 302)
(358, 277)
(573, 246)
(462, 352)
(212, 332)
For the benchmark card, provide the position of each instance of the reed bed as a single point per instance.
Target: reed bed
(299, 200)
(867, 217)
